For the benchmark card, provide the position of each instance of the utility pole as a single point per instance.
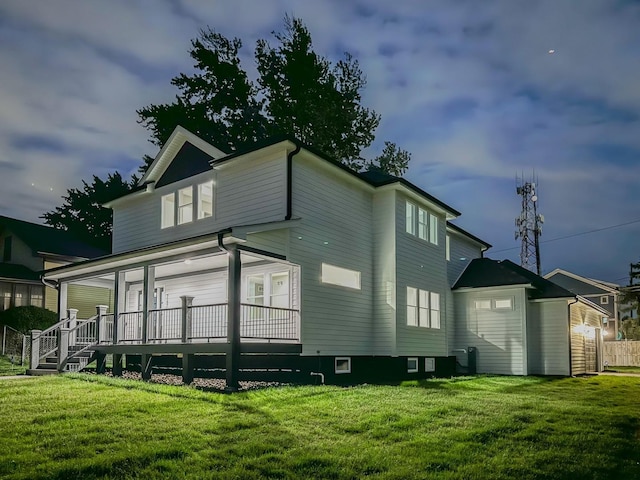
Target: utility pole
(529, 225)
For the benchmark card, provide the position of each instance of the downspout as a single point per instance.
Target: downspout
(569, 311)
(290, 181)
(221, 235)
(53, 285)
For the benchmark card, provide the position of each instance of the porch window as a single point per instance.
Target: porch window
(36, 295)
(168, 210)
(255, 290)
(185, 205)
(5, 296)
(205, 200)
(340, 276)
(21, 298)
(280, 290)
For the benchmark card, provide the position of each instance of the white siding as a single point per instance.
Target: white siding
(548, 337)
(463, 251)
(384, 273)
(498, 335)
(335, 228)
(583, 345)
(245, 192)
(422, 265)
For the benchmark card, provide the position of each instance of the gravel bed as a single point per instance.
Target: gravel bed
(207, 384)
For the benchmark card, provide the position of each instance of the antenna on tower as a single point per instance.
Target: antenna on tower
(529, 223)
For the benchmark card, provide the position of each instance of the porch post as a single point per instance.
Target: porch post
(101, 333)
(233, 320)
(35, 349)
(72, 315)
(118, 303)
(63, 347)
(187, 301)
(116, 369)
(147, 299)
(62, 300)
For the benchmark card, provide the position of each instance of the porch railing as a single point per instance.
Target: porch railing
(164, 324)
(269, 323)
(130, 327)
(208, 321)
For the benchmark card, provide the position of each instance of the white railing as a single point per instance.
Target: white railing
(84, 333)
(269, 323)
(208, 321)
(107, 321)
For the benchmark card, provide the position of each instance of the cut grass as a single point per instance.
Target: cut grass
(7, 368)
(90, 427)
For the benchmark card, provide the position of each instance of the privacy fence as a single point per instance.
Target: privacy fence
(624, 353)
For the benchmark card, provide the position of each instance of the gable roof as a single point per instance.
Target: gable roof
(463, 232)
(486, 272)
(605, 286)
(48, 240)
(14, 271)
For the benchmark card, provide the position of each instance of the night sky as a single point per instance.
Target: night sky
(478, 92)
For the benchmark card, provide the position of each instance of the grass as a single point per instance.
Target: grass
(623, 369)
(95, 427)
(7, 368)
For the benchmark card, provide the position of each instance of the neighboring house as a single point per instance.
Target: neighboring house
(275, 258)
(520, 323)
(28, 249)
(604, 294)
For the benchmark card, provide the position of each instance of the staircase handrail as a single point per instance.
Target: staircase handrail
(53, 327)
(82, 323)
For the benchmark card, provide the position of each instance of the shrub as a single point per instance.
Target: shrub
(25, 319)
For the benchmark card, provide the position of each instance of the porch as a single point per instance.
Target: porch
(230, 301)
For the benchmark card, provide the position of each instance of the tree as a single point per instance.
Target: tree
(630, 301)
(82, 212)
(297, 92)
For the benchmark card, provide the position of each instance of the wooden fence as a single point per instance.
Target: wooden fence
(623, 353)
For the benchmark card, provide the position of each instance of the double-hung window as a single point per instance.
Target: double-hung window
(423, 308)
(205, 200)
(419, 222)
(185, 205)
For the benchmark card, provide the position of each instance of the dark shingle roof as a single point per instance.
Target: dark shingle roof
(485, 272)
(13, 271)
(43, 239)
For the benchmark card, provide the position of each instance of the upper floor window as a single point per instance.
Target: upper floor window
(205, 200)
(421, 223)
(186, 205)
(447, 247)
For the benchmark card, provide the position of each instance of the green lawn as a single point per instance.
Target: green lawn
(7, 368)
(90, 427)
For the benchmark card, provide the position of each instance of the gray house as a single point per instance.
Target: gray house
(275, 260)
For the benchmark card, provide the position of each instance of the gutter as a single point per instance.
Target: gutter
(290, 156)
(221, 235)
(569, 315)
(55, 285)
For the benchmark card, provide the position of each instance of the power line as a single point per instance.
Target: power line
(574, 235)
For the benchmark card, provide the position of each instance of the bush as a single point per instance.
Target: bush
(25, 319)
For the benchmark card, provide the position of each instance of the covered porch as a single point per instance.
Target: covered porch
(199, 298)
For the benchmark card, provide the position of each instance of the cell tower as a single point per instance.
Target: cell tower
(529, 225)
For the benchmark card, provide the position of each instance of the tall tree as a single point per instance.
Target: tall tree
(630, 304)
(297, 92)
(82, 212)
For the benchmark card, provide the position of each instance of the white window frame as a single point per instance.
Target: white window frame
(334, 275)
(420, 311)
(447, 248)
(604, 300)
(482, 304)
(342, 359)
(497, 300)
(201, 212)
(433, 229)
(423, 224)
(415, 369)
(424, 317)
(187, 207)
(165, 210)
(412, 307)
(411, 212)
(429, 364)
(434, 313)
(420, 223)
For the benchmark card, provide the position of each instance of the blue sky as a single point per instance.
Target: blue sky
(469, 88)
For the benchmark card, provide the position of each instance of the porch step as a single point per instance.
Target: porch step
(38, 372)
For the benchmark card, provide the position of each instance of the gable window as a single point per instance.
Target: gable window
(6, 255)
(423, 308)
(420, 223)
(604, 300)
(482, 304)
(205, 200)
(340, 276)
(168, 218)
(503, 303)
(185, 205)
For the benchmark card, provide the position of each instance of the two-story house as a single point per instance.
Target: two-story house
(27, 250)
(276, 258)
